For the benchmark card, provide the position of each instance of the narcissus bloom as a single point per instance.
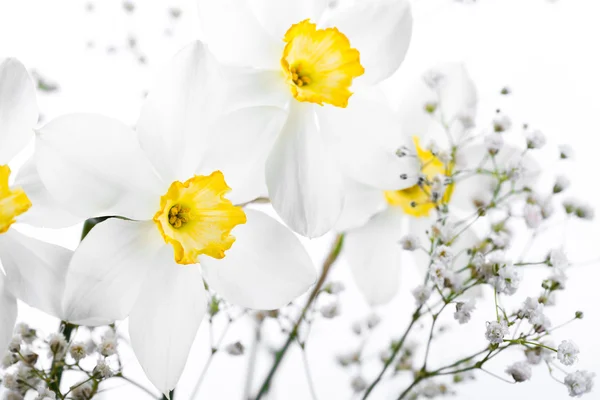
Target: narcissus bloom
(319, 64)
(438, 111)
(34, 270)
(177, 226)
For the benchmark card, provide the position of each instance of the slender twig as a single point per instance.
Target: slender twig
(329, 261)
(252, 361)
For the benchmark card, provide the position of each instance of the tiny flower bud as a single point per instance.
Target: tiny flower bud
(235, 349)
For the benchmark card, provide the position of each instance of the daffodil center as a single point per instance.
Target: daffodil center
(319, 64)
(434, 187)
(196, 218)
(179, 216)
(13, 201)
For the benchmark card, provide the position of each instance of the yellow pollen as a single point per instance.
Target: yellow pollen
(320, 64)
(416, 200)
(13, 202)
(196, 218)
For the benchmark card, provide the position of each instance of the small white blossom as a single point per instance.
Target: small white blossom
(331, 310)
(108, 344)
(44, 393)
(13, 396)
(535, 139)
(348, 358)
(444, 254)
(508, 279)
(421, 294)
(561, 183)
(9, 359)
(103, 369)
(10, 382)
(558, 259)
(373, 320)
(14, 346)
(358, 384)
(235, 349)
(534, 355)
(494, 143)
(520, 371)
(533, 310)
(533, 216)
(82, 391)
(565, 151)
(438, 273)
(58, 344)
(464, 310)
(567, 352)
(579, 383)
(410, 242)
(559, 279)
(502, 123)
(357, 327)
(77, 350)
(585, 211)
(442, 232)
(495, 331)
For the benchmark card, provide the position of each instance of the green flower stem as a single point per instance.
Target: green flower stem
(329, 261)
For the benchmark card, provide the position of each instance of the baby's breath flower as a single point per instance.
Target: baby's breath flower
(82, 391)
(508, 279)
(77, 350)
(444, 254)
(579, 383)
(535, 139)
(410, 242)
(421, 294)
(58, 344)
(330, 310)
(464, 310)
(561, 183)
(495, 331)
(373, 320)
(567, 352)
(12, 395)
(533, 310)
(558, 259)
(494, 143)
(565, 151)
(502, 123)
(102, 368)
(358, 384)
(14, 346)
(533, 216)
(235, 349)
(520, 371)
(108, 344)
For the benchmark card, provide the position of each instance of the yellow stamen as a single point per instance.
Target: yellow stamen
(320, 64)
(416, 200)
(13, 202)
(196, 218)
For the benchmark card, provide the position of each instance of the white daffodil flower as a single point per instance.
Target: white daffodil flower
(438, 111)
(145, 267)
(32, 271)
(305, 57)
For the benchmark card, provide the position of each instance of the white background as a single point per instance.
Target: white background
(547, 52)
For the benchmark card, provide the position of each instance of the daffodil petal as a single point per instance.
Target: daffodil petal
(164, 321)
(304, 182)
(374, 255)
(277, 16)
(235, 36)
(93, 165)
(367, 137)
(45, 211)
(18, 108)
(8, 314)
(360, 204)
(379, 29)
(109, 269)
(35, 270)
(239, 148)
(265, 269)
